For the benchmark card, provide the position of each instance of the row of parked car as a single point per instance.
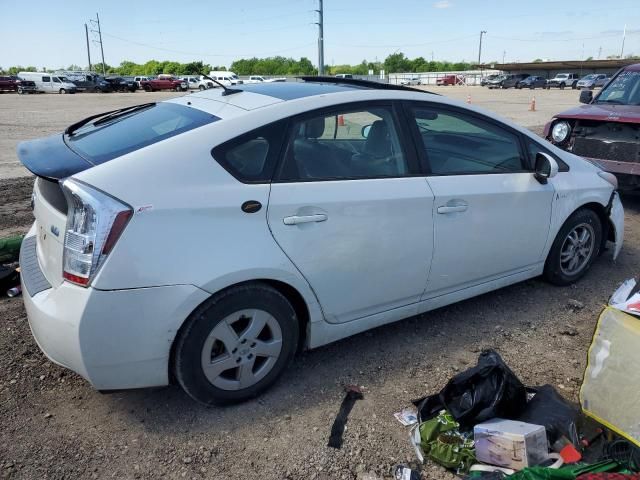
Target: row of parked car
(561, 81)
(72, 82)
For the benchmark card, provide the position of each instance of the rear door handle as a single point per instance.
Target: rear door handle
(298, 219)
(453, 207)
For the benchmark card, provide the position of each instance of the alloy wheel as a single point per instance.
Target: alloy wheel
(241, 349)
(577, 249)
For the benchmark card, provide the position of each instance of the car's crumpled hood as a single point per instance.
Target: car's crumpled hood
(609, 113)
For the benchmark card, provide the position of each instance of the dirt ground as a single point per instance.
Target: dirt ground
(54, 425)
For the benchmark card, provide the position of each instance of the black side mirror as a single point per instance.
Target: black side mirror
(546, 167)
(586, 96)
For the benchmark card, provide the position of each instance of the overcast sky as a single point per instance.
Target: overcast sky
(51, 33)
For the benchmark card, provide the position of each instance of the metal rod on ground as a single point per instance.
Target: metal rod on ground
(86, 32)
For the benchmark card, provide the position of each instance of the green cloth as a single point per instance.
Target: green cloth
(10, 248)
(443, 443)
(567, 472)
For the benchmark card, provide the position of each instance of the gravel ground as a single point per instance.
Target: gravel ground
(54, 425)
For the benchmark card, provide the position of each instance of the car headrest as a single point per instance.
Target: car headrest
(314, 128)
(378, 142)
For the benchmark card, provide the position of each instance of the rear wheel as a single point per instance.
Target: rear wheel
(20, 90)
(562, 85)
(236, 344)
(201, 87)
(575, 248)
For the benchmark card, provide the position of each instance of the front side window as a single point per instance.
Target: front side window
(344, 144)
(102, 141)
(457, 143)
(56, 80)
(46, 79)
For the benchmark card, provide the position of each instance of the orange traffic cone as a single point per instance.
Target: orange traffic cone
(532, 105)
(468, 98)
(341, 120)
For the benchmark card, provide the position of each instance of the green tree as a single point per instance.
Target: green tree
(397, 62)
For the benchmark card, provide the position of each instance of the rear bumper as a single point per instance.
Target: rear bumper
(115, 339)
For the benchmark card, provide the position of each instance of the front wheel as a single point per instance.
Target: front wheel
(20, 91)
(562, 85)
(201, 88)
(62, 91)
(575, 248)
(236, 344)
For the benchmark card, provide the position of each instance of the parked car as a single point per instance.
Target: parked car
(164, 82)
(410, 81)
(8, 83)
(344, 75)
(286, 215)
(102, 86)
(606, 128)
(226, 78)
(562, 80)
(592, 80)
(496, 82)
(450, 80)
(197, 82)
(139, 80)
(122, 84)
(26, 86)
(488, 78)
(513, 80)
(48, 83)
(260, 79)
(532, 82)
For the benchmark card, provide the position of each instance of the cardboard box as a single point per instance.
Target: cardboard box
(511, 444)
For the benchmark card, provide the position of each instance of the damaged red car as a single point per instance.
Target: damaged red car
(606, 129)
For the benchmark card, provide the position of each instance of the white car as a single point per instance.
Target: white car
(198, 83)
(410, 81)
(208, 237)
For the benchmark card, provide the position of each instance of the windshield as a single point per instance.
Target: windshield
(589, 77)
(623, 90)
(562, 75)
(129, 132)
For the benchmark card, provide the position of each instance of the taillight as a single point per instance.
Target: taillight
(95, 221)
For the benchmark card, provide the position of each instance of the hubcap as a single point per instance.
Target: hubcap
(242, 349)
(577, 249)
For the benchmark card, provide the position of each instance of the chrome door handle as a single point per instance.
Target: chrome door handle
(453, 208)
(297, 220)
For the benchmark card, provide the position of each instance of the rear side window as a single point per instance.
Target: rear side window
(252, 157)
(46, 79)
(127, 133)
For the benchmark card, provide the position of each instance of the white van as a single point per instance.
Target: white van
(49, 83)
(225, 78)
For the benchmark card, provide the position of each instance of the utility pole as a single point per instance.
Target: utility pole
(99, 32)
(624, 34)
(86, 33)
(599, 52)
(504, 54)
(480, 48)
(320, 24)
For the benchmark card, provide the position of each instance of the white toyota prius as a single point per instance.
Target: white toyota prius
(205, 239)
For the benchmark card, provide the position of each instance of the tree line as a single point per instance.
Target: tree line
(279, 66)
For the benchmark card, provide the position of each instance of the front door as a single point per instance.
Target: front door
(348, 212)
(491, 216)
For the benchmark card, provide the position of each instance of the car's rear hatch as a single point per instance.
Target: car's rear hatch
(84, 145)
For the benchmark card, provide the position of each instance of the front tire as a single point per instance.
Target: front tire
(236, 344)
(201, 88)
(575, 248)
(62, 91)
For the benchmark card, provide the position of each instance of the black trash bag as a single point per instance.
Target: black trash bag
(488, 390)
(557, 415)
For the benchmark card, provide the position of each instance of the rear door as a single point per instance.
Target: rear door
(491, 217)
(351, 211)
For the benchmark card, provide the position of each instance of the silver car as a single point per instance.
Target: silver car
(593, 80)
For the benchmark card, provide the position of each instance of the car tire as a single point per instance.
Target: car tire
(62, 91)
(147, 88)
(246, 326)
(575, 248)
(562, 85)
(20, 91)
(201, 88)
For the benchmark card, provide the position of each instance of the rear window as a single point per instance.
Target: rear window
(130, 132)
